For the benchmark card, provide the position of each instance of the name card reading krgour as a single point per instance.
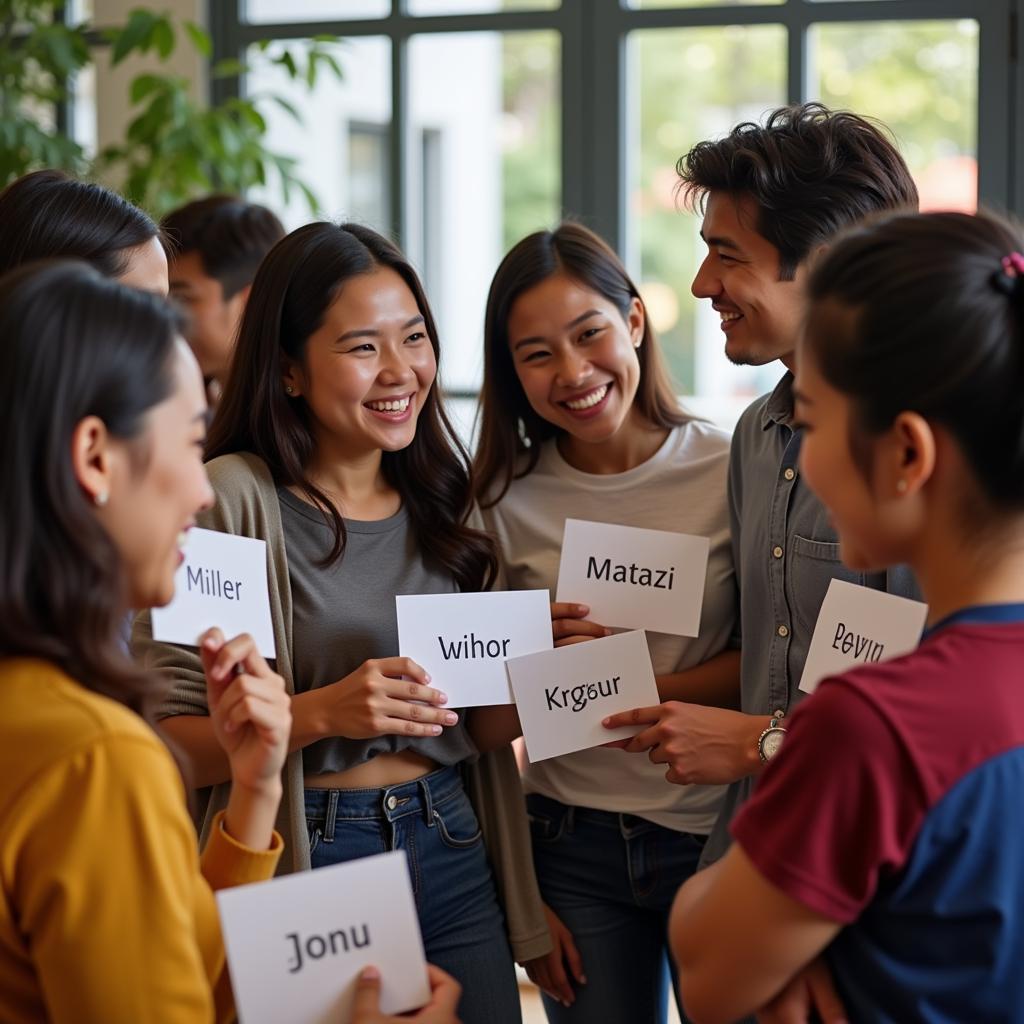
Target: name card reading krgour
(296, 944)
(563, 695)
(858, 625)
(638, 579)
(462, 640)
(222, 582)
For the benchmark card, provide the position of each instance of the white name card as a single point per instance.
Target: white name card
(222, 582)
(463, 640)
(563, 695)
(858, 625)
(637, 579)
(297, 944)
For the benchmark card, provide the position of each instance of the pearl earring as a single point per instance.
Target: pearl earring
(901, 486)
(101, 499)
(289, 389)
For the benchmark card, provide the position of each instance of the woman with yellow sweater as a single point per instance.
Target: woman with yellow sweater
(107, 910)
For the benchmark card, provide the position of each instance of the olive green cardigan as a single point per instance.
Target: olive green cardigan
(247, 505)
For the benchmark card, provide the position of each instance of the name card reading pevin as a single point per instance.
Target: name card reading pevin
(462, 640)
(858, 625)
(222, 582)
(296, 944)
(563, 695)
(638, 579)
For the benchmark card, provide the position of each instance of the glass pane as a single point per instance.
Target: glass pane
(280, 11)
(341, 143)
(484, 170)
(479, 6)
(921, 79)
(687, 85)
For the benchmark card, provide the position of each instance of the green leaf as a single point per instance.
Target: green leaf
(134, 36)
(162, 37)
(144, 85)
(287, 61)
(230, 67)
(288, 107)
(200, 38)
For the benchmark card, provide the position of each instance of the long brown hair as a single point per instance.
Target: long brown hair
(75, 344)
(293, 288)
(509, 427)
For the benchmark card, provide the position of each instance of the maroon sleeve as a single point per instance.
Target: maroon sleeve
(837, 808)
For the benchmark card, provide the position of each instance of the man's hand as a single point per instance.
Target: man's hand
(444, 1000)
(699, 744)
(549, 973)
(811, 991)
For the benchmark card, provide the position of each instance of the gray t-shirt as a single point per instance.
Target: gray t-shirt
(344, 614)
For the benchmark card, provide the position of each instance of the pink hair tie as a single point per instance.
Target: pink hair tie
(1010, 280)
(1013, 265)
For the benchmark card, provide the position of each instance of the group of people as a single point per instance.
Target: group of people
(874, 871)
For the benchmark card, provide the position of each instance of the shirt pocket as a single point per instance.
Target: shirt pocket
(812, 567)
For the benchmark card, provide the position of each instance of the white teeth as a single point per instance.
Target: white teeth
(398, 405)
(727, 316)
(590, 400)
(182, 538)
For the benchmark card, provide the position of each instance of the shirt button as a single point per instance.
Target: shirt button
(777, 551)
(790, 473)
(391, 803)
(783, 630)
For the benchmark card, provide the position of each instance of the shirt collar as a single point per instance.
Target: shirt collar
(778, 410)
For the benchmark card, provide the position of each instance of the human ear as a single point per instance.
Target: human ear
(912, 451)
(92, 459)
(291, 380)
(636, 319)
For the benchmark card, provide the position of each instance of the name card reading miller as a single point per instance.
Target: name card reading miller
(462, 640)
(638, 579)
(296, 944)
(222, 582)
(858, 625)
(563, 695)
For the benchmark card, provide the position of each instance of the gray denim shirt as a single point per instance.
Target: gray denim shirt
(785, 555)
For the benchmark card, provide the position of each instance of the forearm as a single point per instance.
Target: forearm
(207, 763)
(250, 814)
(715, 682)
(494, 726)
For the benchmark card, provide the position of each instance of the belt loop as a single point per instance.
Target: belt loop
(332, 815)
(570, 819)
(428, 804)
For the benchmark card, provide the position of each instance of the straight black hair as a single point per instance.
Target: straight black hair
(75, 344)
(294, 286)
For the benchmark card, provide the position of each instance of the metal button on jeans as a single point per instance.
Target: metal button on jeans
(391, 803)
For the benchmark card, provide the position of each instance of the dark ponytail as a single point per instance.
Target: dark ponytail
(937, 329)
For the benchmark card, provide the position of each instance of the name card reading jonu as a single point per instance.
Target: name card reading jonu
(222, 582)
(858, 625)
(296, 944)
(563, 695)
(462, 640)
(638, 579)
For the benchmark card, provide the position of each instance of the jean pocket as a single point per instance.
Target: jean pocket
(316, 833)
(457, 824)
(545, 828)
(813, 566)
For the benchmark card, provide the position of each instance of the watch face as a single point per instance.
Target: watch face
(772, 742)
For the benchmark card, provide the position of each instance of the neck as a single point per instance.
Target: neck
(990, 571)
(354, 481)
(630, 446)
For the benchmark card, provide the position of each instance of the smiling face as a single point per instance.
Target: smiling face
(367, 370)
(576, 356)
(157, 485)
(760, 314)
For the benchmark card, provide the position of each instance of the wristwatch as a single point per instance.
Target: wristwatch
(769, 743)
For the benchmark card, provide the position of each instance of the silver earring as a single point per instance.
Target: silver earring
(288, 390)
(101, 499)
(901, 486)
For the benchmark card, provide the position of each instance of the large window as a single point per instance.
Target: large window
(462, 125)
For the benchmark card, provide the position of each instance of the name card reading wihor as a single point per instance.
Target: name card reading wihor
(858, 625)
(296, 944)
(462, 640)
(563, 695)
(634, 578)
(222, 582)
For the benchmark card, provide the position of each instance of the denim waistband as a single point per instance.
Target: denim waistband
(625, 824)
(388, 803)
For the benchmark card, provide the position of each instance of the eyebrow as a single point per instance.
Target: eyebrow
(537, 339)
(372, 332)
(720, 240)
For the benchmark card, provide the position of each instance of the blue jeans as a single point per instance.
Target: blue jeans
(611, 878)
(434, 822)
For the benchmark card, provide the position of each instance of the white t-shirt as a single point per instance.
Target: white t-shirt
(681, 488)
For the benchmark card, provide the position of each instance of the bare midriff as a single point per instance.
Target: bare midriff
(378, 772)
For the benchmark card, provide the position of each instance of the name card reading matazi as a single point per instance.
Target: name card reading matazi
(638, 579)
(296, 944)
(222, 582)
(463, 640)
(858, 625)
(562, 695)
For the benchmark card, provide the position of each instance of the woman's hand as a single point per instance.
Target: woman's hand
(548, 972)
(249, 708)
(378, 700)
(569, 624)
(444, 1000)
